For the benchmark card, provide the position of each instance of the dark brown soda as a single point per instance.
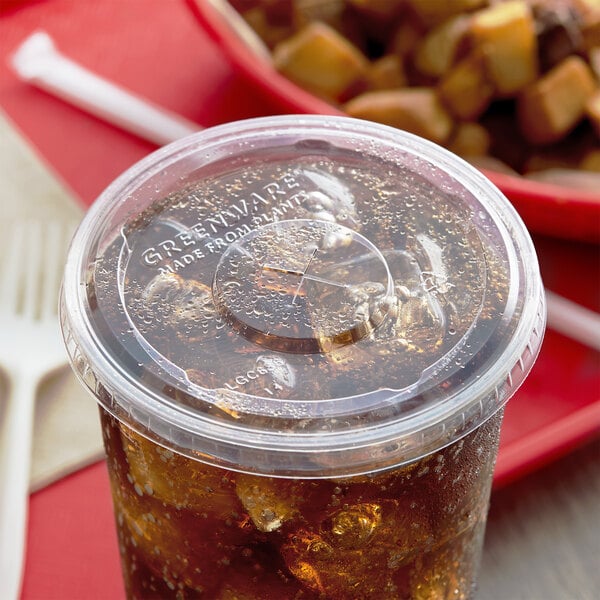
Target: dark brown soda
(187, 529)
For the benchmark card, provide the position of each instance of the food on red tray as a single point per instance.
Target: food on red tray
(435, 51)
(514, 80)
(386, 73)
(549, 108)
(470, 139)
(466, 90)
(418, 110)
(505, 33)
(592, 110)
(322, 61)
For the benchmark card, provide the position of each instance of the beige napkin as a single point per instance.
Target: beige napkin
(67, 430)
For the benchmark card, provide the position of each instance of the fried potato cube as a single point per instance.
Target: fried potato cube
(591, 161)
(307, 11)
(585, 6)
(320, 60)
(417, 110)
(406, 37)
(436, 51)
(432, 12)
(506, 33)
(379, 9)
(590, 30)
(549, 108)
(592, 111)
(595, 61)
(466, 90)
(470, 139)
(271, 34)
(387, 73)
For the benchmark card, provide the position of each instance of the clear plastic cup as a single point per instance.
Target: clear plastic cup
(301, 332)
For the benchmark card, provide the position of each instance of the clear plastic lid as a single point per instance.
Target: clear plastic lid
(302, 296)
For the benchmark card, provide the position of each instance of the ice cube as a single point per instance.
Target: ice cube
(185, 305)
(262, 498)
(177, 480)
(362, 550)
(353, 527)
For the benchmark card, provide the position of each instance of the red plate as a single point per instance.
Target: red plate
(545, 208)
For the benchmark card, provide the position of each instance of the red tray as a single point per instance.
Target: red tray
(155, 48)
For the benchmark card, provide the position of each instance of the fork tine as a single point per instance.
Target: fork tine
(54, 248)
(32, 269)
(12, 259)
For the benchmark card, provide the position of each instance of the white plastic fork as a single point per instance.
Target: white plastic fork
(31, 261)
